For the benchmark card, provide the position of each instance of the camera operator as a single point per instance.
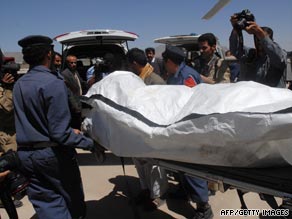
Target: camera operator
(6, 109)
(266, 63)
(7, 126)
(46, 142)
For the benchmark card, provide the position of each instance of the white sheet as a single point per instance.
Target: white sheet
(223, 124)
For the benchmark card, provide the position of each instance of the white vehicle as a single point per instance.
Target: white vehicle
(189, 43)
(89, 45)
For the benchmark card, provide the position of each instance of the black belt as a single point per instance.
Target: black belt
(39, 145)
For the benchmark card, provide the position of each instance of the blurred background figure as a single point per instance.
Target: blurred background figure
(58, 62)
(233, 66)
(76, 87)
(157, 63)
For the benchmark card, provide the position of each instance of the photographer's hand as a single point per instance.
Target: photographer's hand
(255, 29)
(233, 21)
(8, 78)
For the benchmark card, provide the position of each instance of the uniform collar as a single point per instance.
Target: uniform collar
(44, 69)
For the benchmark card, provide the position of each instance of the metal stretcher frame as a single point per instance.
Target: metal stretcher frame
(276, 182)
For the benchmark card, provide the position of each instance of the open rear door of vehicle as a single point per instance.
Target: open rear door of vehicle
(95, 37)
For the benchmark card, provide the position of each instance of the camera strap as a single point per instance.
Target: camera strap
(240, 41)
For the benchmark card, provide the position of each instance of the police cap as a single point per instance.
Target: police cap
(35, 40)
(174, 53)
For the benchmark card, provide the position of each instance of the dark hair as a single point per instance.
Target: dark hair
(150, 49)
(269, 31)
(137, 55)
(35, 55)
(111, 62)
(209, 37)
(57, 54)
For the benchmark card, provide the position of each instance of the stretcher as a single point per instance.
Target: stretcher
(237, 134)
(272, 181)
(269, 183)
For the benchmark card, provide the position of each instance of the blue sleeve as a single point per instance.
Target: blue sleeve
(89, 73)
(277, 55)
(58, 117)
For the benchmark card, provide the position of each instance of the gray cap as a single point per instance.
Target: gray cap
(174, 53)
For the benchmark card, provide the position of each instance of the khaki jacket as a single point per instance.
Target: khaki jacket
(7, 126)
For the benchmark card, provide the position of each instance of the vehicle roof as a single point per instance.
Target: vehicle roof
(187, 41)
(178, 39)
(95, 36)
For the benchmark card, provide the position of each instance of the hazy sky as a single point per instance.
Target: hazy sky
(149, 19)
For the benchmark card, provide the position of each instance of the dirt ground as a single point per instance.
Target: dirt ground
(108, 191)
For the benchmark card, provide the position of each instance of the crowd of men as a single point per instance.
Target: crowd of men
(44, 118)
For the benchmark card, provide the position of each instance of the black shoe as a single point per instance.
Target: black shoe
(205, 213)
(142, 197)
(149, 205)
(178, 194)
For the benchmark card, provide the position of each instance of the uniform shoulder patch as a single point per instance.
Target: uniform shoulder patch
(190, 81)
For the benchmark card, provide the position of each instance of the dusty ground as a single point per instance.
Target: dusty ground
(107, 193)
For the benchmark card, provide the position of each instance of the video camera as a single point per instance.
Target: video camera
(101, 66)
(8, 65)
(14, 184)
(242, 18)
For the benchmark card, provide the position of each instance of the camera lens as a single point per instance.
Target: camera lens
(17, 184)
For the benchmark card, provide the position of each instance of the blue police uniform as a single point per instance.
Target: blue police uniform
(46, 145)
(196, 187)
(185, 75)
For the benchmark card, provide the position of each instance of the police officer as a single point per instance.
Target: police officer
(46, 142)
(181, 74)
(178, 71)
